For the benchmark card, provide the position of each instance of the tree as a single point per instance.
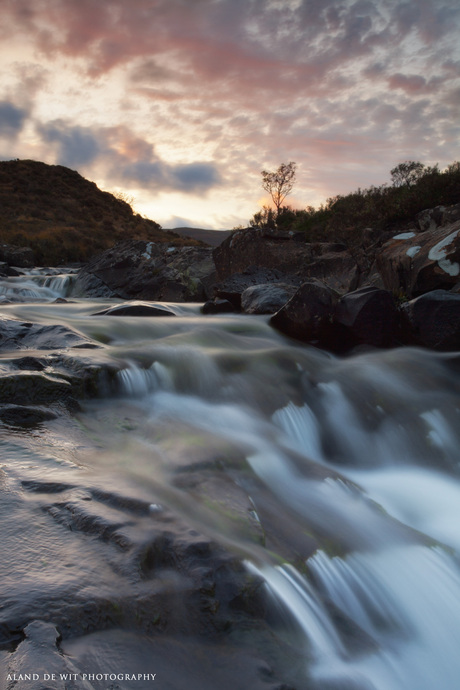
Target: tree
(279, 183)
(408, 173)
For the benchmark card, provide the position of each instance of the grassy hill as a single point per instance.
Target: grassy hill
(211, 237)
(65, 218)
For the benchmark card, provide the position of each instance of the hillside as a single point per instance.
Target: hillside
(211, 237)
(64, 217)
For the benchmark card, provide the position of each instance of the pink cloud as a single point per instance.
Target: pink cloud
(410, 83)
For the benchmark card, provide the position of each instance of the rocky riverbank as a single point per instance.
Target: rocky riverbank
(396, 289)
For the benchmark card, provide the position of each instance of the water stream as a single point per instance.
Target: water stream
(350, 468)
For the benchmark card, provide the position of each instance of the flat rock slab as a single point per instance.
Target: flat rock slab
(24, 335)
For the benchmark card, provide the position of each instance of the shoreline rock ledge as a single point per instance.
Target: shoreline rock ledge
(135, 269)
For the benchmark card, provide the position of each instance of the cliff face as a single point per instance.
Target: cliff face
(64, 217)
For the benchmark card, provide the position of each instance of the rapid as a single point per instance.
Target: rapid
(349, 468)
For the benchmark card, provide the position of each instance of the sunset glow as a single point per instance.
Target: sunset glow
(181, 104)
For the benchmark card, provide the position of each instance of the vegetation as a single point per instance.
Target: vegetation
(65, 218)
(279, 183)
(414, 188)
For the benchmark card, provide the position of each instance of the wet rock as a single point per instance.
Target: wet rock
(232, 288)
(29, 388)
(218, 306)
(309, 314)
(25, 335)
(25, 415)
(37, 664)
(135, 309)
(146, 270)
(433, 320)
(266, 298)
(368, 316)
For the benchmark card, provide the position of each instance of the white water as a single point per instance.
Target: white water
(399, 589)
(363, 453)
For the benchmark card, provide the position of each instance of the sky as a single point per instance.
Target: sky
(180, 104)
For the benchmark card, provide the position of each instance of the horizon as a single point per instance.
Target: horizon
(182, 106)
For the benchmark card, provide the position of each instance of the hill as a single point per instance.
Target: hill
(65, 218)
(211, 237)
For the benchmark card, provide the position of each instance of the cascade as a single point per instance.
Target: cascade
(361, 453)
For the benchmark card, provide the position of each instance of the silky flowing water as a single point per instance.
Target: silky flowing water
(350, 465)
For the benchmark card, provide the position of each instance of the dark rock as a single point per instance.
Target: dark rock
(25, 415)
(23, 257)
(137, 309)
(218, 306)
(433, 320)
(309, 314)
(415, 263)
(233, 287)
(329, 262)
(368, 316)
(266, 298)
(430, 218)
(29, 388)
(146, 270)
(23, 335)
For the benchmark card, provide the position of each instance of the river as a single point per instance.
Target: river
(330, 484)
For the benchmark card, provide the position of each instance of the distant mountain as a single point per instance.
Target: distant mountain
(211, 237)
(63, 217)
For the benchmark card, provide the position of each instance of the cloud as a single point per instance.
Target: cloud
(125, 157)
(194, 177)
(410, 83)
(76, 146)
(12, 119)
(172, 93)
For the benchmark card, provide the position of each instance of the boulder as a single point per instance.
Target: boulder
(233, 287)
(329, 262)
(267, 298)
(23, 257)
(432, 218)
(218, 306)
(135, 269)
(368, 316)
(414, 263)
(34, 388)
(309, 315)
(135, 309)
(433, 320)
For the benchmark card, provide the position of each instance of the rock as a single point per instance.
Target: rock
(146, 270)
(414, 263)
(309, 314)
(135, 309)
(38, 664)
(432, 218)
(23, 257)
(34, 388)
(233, 287)
(433, 320)
(338, 270)
(266, 298)
(25, 415)
(329, 262)
(368, 316)
(218, 306)
(23, 335)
